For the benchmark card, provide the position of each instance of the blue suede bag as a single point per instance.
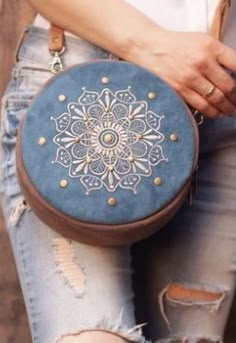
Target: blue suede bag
(106, 152)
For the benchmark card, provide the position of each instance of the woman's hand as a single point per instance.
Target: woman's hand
(194, 65)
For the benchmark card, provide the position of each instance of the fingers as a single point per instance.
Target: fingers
(213, 73)
(203, 82)
(226, 57)
(198, 102)
(213, 95)
(221, 102)
(223, 81)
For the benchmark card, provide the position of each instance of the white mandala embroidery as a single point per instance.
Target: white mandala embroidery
(108, 140)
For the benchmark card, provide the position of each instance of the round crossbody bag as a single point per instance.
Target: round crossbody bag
(106, 152)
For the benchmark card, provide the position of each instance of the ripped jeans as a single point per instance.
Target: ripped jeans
(184, 276)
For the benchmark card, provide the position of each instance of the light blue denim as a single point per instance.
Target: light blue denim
(70, 287)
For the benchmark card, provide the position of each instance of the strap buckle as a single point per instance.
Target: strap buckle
(56, 65)
(198, 117)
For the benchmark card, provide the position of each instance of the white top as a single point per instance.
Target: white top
(180, 15)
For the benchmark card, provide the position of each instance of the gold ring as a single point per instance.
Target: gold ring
(210, 92)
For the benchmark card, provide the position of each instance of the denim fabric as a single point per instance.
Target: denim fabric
(174, 161)
(70, 287)
(196, 250)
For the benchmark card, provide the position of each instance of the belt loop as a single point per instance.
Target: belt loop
(19, 42)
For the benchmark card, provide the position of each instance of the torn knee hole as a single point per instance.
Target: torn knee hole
(189, 295)
(17, 211)
(92, 336)
(107, 331)
(70, 338)
(208, 297)
(68, 266)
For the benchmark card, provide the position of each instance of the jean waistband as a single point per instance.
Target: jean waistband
(33, 47)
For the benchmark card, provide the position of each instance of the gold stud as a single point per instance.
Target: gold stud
(105, 80)
(112, 201)
(130, 117)
(42, 141)
(61, 97)
(88, 160)
(131, 158)
(77, 140)
(110, 168)
(157, 181)
(152, 95)
(63, 183)
(140, 137)
(173, 137)
(108, 138)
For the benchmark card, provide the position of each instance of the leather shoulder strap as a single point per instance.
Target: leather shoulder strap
(218, 22)
(55, 39)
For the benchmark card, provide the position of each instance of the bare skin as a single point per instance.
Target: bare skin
(93, 336)
(190, 62)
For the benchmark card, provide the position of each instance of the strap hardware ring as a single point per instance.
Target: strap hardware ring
(56, 65)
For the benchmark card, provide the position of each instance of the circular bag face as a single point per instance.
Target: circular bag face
(108, 142)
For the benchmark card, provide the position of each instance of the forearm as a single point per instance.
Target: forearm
(112, 24)
(192, 63)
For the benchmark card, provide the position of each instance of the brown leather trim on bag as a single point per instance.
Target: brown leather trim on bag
(98, 234)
